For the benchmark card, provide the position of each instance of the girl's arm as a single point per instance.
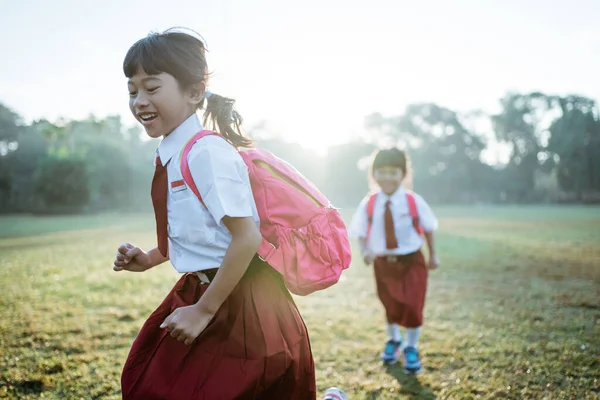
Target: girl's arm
(228, 198)
(246, 239)
(186, 323)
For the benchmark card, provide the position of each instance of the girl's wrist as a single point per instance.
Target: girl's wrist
(155, 258)
(205, 308)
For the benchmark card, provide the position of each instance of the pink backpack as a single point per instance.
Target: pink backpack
(304, 237)
(412, 209)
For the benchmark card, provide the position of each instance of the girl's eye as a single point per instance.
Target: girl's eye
(152, 90)
(132, 94)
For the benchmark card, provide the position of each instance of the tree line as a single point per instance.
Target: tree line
(553, 144)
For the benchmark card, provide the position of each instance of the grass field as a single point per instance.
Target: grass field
(513, 312)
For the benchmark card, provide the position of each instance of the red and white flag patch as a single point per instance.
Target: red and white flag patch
(177, 186)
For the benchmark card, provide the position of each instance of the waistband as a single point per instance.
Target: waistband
(207, 275)
(397, 258)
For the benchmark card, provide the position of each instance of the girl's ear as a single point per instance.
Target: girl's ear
(196, 93)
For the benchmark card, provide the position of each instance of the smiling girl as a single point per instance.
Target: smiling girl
(229, 328)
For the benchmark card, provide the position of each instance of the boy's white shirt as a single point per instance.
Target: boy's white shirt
(409, 241)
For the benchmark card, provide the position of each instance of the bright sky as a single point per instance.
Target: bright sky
(312, 69)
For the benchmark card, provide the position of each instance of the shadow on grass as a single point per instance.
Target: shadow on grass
(409, 384)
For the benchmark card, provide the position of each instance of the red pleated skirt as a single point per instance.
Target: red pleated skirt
(401, 287)
(256, 347)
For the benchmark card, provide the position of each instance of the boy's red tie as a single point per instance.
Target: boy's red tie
(391, 242)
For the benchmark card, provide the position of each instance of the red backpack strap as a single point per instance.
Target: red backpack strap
(185, 168)
(414, 213)
(370, 211)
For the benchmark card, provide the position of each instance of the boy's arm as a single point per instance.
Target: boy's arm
(429, 222)
(433, 260)
(365, 252)
(358, 229)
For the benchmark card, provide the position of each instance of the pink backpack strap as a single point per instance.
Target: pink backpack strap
(414, 213)
(185, 168)
(267, 251)
(370, 211)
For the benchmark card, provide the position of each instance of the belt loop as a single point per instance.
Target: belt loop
(392, 258)
(203, 277)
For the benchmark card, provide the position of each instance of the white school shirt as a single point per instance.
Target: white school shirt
(198, 239)
(408, 238)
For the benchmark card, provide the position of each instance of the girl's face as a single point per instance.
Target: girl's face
(388, 178)
(159, 104)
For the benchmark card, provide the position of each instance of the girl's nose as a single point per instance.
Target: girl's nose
(140, 100)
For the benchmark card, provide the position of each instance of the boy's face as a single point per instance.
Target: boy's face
(388, 178)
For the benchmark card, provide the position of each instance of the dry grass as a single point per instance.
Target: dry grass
(512, 314)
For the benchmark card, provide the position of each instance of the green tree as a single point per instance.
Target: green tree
(523, 124)
(445, 153)
(62, 184)
(574, 145)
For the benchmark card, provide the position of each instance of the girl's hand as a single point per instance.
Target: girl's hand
(434, 262)
(186, 323)
(131, 258)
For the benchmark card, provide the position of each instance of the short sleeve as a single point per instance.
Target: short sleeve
(427, 218)
(221, 177)
(360, 221)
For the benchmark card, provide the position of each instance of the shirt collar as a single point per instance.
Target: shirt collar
(394, 197)
(175, 141)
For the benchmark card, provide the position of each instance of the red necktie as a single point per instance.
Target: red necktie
(390, 233)
(159, 200)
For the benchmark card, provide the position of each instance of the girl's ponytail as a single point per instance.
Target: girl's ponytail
(221, 117)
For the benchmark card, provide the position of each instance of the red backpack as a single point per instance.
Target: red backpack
(304, 237)
(412, 210)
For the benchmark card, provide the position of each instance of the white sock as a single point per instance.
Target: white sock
(412, 336)
(394, 332)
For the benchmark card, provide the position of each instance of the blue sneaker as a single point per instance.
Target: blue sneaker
(390, 352)
(334, 393)
(412, 364)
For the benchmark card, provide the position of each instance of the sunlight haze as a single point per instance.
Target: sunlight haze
(310, 70)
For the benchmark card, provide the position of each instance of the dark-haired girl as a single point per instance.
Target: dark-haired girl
(229, 329)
